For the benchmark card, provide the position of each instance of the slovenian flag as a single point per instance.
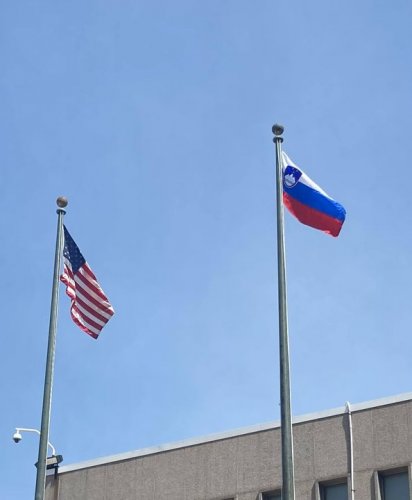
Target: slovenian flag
(308, 202)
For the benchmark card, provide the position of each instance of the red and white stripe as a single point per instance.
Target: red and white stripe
(90, 308)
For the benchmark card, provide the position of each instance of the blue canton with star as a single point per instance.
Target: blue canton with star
(72, 253)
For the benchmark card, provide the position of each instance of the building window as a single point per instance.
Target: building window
(271, 495)
(394, 485)
(333, 491)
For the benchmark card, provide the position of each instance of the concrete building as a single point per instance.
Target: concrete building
(246, 464)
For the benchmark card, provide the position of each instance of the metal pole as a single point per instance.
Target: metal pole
(48, 378)
(288, 484)
(352, 471)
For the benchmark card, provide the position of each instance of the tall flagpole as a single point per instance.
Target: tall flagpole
(48, 378)
(288, 483)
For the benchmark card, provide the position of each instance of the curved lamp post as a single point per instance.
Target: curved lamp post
(17, 437)
(51, 462)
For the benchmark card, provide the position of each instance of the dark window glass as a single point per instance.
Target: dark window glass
(395, 486)
(272, 495)
(334, 492)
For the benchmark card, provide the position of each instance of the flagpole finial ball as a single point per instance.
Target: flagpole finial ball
(277, 129)
(62, 201)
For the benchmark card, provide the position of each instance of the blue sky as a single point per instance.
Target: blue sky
(154, 119)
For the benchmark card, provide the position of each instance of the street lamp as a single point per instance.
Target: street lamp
(51, 462)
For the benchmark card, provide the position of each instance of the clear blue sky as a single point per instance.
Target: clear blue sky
(154, 119)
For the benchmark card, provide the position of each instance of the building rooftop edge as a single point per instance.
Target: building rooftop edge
(356, 407)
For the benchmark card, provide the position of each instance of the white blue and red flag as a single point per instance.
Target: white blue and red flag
(308, 202)
(90, 308)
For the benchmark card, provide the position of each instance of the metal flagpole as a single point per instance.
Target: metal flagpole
(48, 378)
(288, 484)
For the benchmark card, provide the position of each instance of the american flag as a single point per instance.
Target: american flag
(90, 308)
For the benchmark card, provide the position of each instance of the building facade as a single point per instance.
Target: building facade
(372, 440)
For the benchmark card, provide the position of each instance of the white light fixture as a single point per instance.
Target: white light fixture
(17, 437)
